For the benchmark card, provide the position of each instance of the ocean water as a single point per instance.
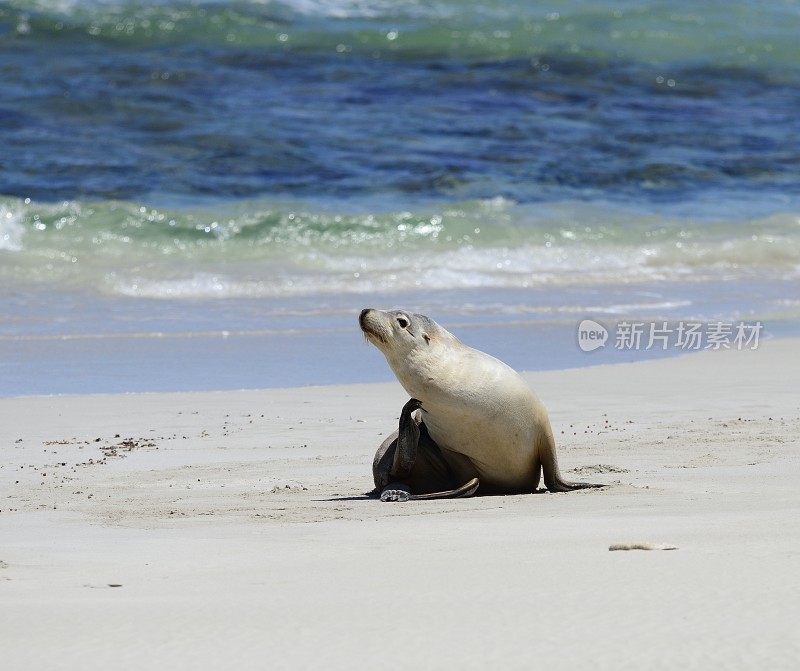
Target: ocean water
(203, 195)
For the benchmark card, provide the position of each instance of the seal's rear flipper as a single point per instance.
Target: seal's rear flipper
(461, 492)
(396, 491)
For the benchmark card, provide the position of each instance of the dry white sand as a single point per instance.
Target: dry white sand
(229, 530)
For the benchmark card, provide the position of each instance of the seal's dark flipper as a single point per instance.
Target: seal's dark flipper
(564, 486)
(396, 492)
(552, 477)
(587, 485)
(461, 492)
(405, 454)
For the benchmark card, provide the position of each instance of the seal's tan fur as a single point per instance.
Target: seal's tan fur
(484, 417)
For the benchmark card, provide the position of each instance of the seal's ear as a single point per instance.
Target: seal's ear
(426, 337)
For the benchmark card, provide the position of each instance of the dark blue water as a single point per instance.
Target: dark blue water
(138, 100)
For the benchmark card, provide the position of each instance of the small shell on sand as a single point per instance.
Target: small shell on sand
(642, 546)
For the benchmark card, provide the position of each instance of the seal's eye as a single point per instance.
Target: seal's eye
(402, 322)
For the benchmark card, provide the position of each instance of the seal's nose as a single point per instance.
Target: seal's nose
(363, 316)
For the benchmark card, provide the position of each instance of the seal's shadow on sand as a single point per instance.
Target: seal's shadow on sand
(363, 497)
(374, 496)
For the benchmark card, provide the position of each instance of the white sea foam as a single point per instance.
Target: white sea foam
(267, 248)
(11, 229)
(345, 9)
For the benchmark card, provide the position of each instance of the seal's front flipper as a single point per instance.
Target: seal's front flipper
(461, 492)
(552, 476)
(564, 486)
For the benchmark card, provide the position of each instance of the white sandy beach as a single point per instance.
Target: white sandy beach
(229, 530)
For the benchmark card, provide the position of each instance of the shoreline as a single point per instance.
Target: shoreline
(192, 529)
(223, 361)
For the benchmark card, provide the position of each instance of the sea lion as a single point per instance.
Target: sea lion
(479, 423)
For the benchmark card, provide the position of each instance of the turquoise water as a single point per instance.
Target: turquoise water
(187, 188)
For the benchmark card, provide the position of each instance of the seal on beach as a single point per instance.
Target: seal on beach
(479, 423)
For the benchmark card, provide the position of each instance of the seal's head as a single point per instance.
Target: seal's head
(397, 332)
(416, 348)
